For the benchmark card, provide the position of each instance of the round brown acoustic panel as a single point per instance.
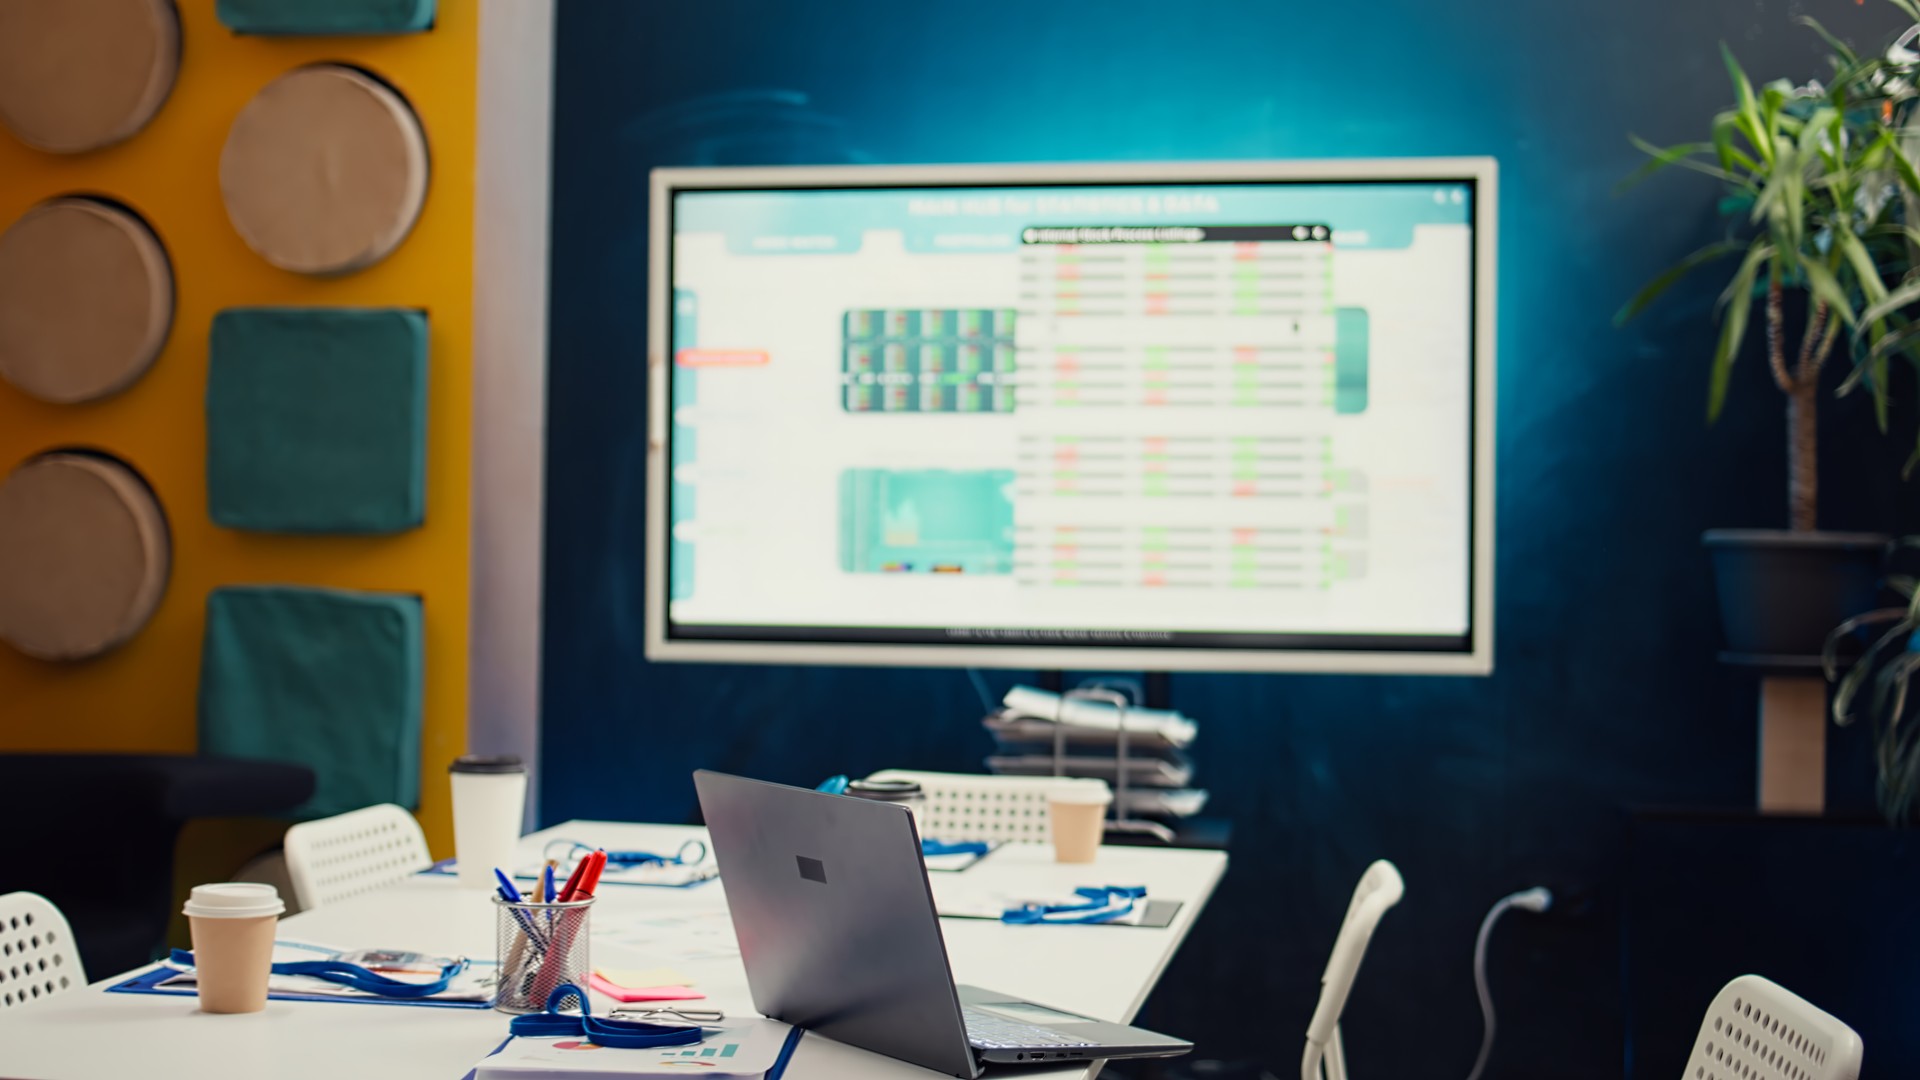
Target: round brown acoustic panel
(325, 170)
(77, 75)
(86, 300)
(84, 556)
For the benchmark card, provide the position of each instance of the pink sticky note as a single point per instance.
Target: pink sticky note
(647, 993)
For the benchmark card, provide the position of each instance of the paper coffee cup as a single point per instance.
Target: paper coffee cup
(1076, 818)
(489, 804)
(232, 925)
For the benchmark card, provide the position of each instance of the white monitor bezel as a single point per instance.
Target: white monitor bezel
(1483, 172)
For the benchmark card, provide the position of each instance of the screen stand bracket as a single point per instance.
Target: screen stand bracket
(1109, 692)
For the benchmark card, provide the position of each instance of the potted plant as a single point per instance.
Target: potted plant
(1877, 686)
(1816, 179)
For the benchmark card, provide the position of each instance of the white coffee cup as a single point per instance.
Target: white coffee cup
(1077, 819)
(232, 923)
(489, 804)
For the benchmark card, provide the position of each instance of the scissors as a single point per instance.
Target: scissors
(690, 853)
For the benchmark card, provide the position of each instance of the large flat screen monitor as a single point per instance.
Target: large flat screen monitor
(1229, 416)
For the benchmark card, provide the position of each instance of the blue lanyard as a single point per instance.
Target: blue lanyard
(365, 980)
(617, 1034)
(962, 847)
(690, 853)
(1103, 904)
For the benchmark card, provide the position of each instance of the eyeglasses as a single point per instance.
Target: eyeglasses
(666, 1015)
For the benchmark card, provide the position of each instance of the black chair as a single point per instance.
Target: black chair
(94, 833)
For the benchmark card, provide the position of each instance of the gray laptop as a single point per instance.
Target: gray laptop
(839, 934)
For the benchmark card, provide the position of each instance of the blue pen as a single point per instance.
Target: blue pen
(507, 892)
(512, 896)
(549, 883)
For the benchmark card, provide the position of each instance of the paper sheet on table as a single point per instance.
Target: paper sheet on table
(747, 1049)
(672, 937)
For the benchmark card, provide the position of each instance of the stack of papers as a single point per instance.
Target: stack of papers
(1035, 724)
(1166, 802)
(627, 985)
(1027, 703)
(1142, 771)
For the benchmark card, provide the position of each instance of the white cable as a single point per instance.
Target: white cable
(1536, 900)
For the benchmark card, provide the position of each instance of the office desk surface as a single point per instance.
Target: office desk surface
(1101, 971)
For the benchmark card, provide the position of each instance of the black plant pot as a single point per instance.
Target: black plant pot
(1782, 592)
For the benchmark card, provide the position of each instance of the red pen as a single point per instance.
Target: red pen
(552, 968)
(573, 879)
(596, 865)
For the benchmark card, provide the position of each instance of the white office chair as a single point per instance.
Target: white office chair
(1758, 1030)
(337, 857)
(968, 806)
(38, 957)
(1380, 888)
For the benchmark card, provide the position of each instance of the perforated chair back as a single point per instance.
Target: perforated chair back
(968, 806)
(1759, 1030)
(348, 854)
(1380, 888)
(38, 957)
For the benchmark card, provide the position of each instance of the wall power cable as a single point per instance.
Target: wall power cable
(1536, 900)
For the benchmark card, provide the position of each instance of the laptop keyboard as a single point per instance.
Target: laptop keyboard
(986, 1031)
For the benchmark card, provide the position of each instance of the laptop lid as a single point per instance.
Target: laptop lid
(835, 918)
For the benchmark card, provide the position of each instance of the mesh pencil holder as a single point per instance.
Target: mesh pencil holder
(540, 946)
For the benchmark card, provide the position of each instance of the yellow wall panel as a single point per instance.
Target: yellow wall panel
(142, 696)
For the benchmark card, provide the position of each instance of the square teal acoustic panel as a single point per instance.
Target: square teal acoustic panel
(325, 678)
(316, 420)
(326, 16)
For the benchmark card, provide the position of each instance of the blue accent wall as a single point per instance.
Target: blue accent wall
(1606, 692)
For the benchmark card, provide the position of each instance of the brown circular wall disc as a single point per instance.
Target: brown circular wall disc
(324, 171)
(78, 75)
(84, 556)
(86, 300)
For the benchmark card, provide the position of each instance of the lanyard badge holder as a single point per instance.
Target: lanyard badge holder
(1099, 904)
(364, 979)
(601, 1031)
(541, 947)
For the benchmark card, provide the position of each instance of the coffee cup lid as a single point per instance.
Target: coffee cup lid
(1081, 794)
(484, 764)
(234, 900)
(885, 790)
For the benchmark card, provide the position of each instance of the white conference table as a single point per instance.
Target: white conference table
(1100, 971)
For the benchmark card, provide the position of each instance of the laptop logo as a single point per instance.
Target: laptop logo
(812, 869)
